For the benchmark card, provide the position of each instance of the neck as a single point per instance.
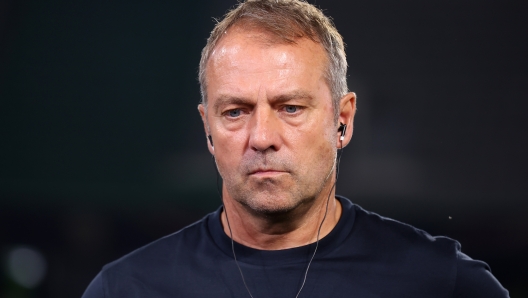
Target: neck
(274, 232)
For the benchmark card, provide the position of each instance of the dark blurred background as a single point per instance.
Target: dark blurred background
(102, 148)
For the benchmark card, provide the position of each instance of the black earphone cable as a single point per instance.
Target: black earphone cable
(229, 227)
(234, 255)
(339, 153)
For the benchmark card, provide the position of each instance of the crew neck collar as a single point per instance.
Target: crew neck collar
(250, 255)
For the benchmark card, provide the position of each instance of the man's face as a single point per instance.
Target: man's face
(271, 118)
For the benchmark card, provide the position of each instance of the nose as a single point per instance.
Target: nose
(265, 130)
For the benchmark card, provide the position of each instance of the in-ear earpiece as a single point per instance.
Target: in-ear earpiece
(342, 128)
(210, 140)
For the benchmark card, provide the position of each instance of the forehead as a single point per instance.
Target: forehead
(250, 56)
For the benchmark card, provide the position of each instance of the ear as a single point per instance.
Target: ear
(347, 111)
(201, 109)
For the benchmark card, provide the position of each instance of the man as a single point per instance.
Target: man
(276, 110)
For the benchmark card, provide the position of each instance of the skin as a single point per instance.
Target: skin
(270, 114)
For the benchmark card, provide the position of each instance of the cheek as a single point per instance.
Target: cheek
(227, 155)
(226, 171)
(327, 147)
(316, 149)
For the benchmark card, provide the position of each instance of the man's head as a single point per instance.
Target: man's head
(271, 106)
(286, 21)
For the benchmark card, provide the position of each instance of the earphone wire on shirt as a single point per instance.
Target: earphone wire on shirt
(340, 152)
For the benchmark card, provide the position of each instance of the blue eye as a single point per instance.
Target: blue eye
(291, 109)
(234, 113)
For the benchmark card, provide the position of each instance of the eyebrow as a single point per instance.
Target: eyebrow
(297, 94)
(282, 98)
(223, 100)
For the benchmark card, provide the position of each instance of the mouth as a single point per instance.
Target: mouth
(266, 173)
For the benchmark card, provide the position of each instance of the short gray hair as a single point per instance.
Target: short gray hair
(287, 20)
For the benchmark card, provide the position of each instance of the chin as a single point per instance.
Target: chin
(268, 205)
(267, 210)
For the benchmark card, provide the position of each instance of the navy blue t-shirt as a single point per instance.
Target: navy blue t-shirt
(365, 255)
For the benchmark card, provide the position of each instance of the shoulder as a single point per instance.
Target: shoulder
(159, 251)
(153, 265)
(398, 237)
(433, 260)
(474, 279)
(387, 247)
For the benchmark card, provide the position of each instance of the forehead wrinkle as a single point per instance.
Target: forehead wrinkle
(231, 45)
